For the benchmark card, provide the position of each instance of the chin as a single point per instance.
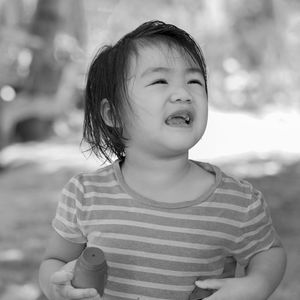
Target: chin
(181, 145)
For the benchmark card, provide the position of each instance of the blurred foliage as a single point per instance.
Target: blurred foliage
(42, 52)
(38, 38)
(251, 47)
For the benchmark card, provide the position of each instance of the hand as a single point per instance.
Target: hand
(231, 288)
(63, 290)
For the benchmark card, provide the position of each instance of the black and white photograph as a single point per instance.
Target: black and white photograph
(149, 150)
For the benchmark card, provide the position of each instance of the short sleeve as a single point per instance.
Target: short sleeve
(66, 222)
(257, 232)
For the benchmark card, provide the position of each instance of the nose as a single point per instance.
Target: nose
(181, 95)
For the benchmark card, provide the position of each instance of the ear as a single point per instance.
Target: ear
(106, 112)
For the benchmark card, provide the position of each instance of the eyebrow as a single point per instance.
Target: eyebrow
(169, 70)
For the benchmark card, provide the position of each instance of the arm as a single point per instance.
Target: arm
(263, 274)
(56, 270)
(266, 269)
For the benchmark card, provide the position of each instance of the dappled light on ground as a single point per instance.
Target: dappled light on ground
(270, 137)
(21, 292)
(11, 255)
(230, 136)
(50, 156)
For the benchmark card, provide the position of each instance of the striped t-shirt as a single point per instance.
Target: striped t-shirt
(157, 250)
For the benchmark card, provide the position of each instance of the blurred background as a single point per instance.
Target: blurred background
(252, 50)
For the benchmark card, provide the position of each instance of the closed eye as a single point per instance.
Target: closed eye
(159, 81)
(195, 81)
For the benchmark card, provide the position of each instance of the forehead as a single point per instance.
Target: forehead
(160, 55)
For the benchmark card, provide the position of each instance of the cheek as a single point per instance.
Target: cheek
(204, 105)
(145, 112)
(202, 117)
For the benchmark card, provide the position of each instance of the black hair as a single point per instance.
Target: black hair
(107, 78)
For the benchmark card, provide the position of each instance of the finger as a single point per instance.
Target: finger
(72, 293)
(213, 284)
(61, 277)
(69, 267)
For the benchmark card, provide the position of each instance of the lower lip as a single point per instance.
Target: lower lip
(181, 125)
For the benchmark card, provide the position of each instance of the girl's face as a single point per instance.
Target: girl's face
(166, 92)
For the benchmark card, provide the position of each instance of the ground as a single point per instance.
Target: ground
(31, 187)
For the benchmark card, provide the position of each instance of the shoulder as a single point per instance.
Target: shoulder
(234, 190)
(242, 199)
(225, 181)
(229, 182)
(102, 174)
(87, 181)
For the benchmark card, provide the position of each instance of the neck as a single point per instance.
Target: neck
(157, 171)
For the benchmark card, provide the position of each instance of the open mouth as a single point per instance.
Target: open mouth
(180, 119)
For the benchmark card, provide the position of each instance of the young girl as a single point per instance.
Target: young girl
(162, 220)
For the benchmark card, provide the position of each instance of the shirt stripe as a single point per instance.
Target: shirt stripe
(189, 217)
(151, 284)
(158, 256)
(144, 225)
(165, 272)
(155, 241)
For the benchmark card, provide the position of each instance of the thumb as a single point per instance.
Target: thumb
(69, 267)
(65, 274)
(61, 277)
(212, 284)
